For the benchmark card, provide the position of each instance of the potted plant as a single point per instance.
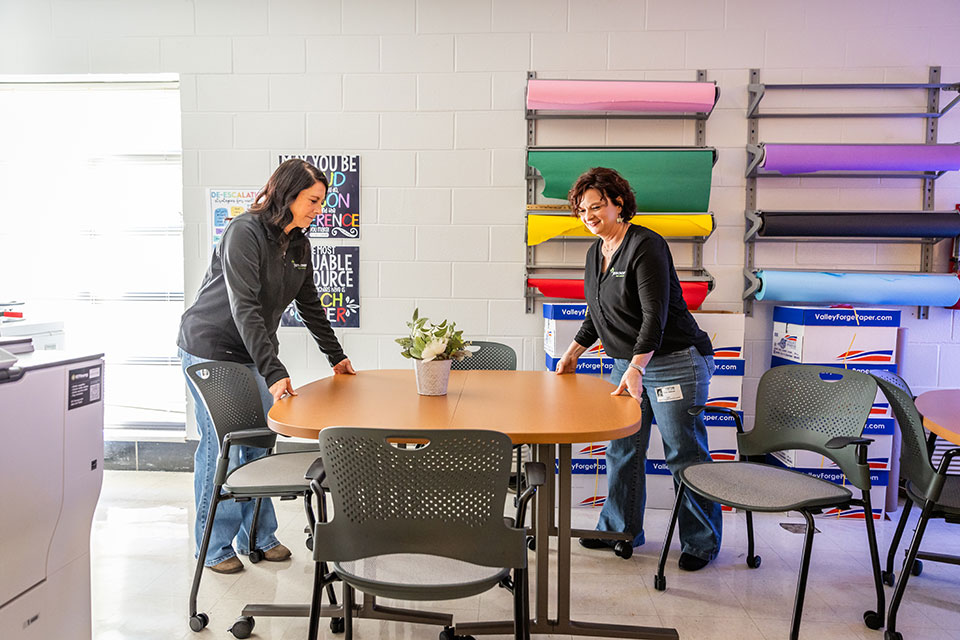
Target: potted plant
(432, 347)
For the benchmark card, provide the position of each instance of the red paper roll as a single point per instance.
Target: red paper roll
(572, 289)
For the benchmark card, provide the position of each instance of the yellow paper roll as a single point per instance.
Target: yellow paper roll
(541, 228)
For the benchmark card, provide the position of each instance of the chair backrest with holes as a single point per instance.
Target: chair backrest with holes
(489, 356)
(915, 463)
(804, 406)
(443, 498)
(231, 396)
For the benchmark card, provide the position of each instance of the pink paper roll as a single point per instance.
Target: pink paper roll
(603, 95)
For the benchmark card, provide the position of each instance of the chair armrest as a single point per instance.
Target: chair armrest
(840, 442)
(536, 473)
(258, 437)
(697, 409)
(316, 469)
(948, 457)
(316, 485)
(536, 476)
(936, 486)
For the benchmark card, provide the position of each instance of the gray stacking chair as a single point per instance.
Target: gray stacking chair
(936, 491)
(821, 409)
(489, 356)
(231, 396)
(421, 523)
(493, 356)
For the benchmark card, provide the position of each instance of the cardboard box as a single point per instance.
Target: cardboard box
(726, 331)
(817, 335)
(595, 366)
(583, 450)
(588, 482)
(561, 323)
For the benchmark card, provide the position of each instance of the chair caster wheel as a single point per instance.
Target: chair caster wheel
(199, 621)
(337, 625)
(917, 568)
(887, 577)
(242, 627)
(660, 583)
(754, 561)
(892, 635)
(449, 634)
(256, 556)
(873, 620)
(623, 549)
(309, 543)
(531, 543)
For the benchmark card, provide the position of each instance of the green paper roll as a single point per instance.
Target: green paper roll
(669, 180)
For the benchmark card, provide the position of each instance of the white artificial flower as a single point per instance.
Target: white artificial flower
(434, 348)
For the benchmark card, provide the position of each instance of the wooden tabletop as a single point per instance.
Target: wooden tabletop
(532, 407)
(941, 413)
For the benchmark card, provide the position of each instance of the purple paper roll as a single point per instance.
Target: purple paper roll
(790, 159)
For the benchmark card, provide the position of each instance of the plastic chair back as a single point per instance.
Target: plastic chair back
(444, 498)
(915, 463)
(804, 406)
(489, 356)
(232, 399)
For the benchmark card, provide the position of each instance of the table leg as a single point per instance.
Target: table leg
(544, 517)
(562, 624)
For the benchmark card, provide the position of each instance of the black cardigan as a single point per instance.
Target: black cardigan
(637, 305)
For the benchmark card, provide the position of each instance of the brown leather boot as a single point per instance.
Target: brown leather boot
(230, 565)
(278, 553)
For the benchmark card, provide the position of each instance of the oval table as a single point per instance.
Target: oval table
(941, 413)
(532, 407)
(941, 416)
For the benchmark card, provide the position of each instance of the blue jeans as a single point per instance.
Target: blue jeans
(233, 519)
(684, 441)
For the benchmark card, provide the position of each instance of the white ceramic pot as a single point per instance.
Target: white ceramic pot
(432, 377)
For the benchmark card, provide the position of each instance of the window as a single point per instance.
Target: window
(92, 227)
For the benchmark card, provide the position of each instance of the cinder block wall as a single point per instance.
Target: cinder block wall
(430, 94)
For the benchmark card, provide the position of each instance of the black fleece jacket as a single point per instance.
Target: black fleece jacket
(255, 272)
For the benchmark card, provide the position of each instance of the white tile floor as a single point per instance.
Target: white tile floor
(143, 563)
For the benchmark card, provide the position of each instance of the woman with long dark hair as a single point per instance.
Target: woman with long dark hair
(261, 264)
(660, 357)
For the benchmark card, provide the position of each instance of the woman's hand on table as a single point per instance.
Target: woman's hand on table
(344, 367)
(567, 363)
(281, 388)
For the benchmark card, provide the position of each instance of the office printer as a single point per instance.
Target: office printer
(51, 422)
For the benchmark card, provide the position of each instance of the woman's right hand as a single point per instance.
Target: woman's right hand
(281, 388)
(567, 363)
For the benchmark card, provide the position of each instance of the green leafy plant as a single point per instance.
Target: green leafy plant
(428, 341)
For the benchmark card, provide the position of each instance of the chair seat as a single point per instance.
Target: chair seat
(761, 487)
(415, 576)
(949, 501)
(272, 475)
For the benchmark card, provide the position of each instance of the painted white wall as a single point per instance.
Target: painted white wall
(430, 93)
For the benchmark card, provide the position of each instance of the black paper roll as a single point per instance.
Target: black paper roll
(863, 225)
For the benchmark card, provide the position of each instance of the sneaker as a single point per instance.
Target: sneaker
(278, 553)
(690, 562)
(230, 565)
